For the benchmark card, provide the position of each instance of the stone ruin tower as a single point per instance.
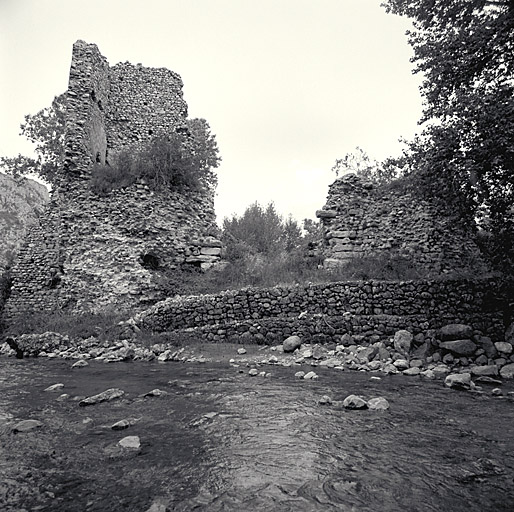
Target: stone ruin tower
(90, 252)
(363, 219)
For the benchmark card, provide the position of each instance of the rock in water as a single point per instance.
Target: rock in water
(55, 387)
(131, 442)
(378, 404)
(402, 341)
(80, 364)
(241, 351)
(458, 381)
(292, 343)
(105, 396)
(155, 392)
(26, 426)
(354, 402)
(310, 376)
(121, 425)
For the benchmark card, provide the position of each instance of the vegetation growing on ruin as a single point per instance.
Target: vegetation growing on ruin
(182, 159)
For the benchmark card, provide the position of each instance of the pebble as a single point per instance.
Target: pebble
(63, 397)
(375, 378)
(310, 376)
(253, 372)
(497, 392)
(299, 375)
(241, 351)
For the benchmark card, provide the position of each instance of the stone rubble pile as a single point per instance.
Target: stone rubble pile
(455, 352)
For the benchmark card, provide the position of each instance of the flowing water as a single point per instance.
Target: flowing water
(222, 440)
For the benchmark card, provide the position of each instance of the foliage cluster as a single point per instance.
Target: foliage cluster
(182, 159)
(464, 157)
(76, 326)
(361, 164)
(46, 130)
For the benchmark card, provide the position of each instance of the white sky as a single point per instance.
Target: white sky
(287, 86)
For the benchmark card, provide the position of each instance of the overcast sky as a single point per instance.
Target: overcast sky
(287, 86)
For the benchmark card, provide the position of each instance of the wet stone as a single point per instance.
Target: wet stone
(155, 392)
(130, 442)
(105, 396)
(325, 400)
(55, 387)
(80, 364)
(354, 402)
(26, 426)
(378, 404)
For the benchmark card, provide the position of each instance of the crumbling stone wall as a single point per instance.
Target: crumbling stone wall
(88, 251)
(371, 310)
(362, 219)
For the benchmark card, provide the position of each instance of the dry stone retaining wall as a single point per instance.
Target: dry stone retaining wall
(324, 312)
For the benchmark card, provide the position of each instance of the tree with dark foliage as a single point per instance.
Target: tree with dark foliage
(464, 158)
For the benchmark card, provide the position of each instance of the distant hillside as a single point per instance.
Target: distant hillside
(20, 203)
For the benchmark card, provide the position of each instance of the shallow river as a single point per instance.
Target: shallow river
(222, 440)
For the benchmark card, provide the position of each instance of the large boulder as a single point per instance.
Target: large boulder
(292, 343)
(459, 347)
(403, 341)
(455, 332)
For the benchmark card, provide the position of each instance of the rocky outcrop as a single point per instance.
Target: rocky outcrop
(21, 202)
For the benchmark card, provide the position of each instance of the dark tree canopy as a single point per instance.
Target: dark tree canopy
(465, 155)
